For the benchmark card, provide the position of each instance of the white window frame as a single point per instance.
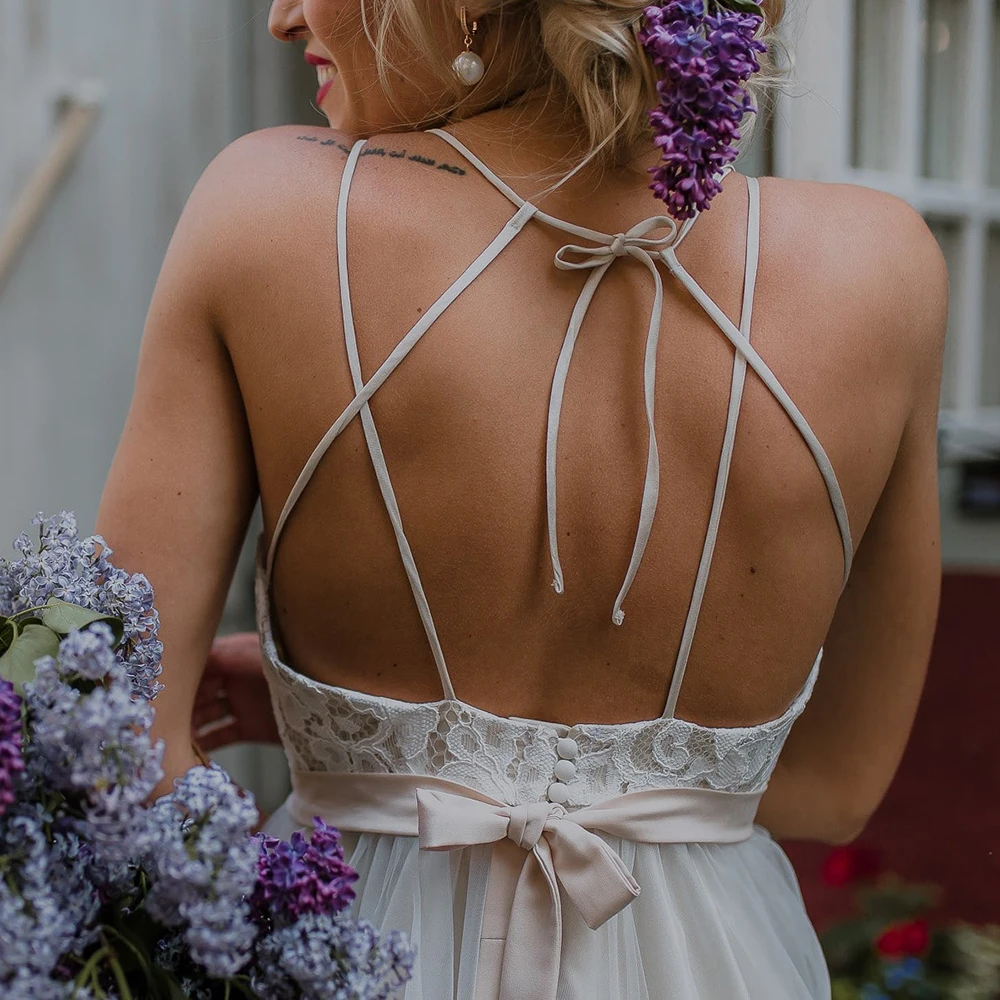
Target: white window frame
(813, 140)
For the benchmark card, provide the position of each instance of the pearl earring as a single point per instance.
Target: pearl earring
(468, 66)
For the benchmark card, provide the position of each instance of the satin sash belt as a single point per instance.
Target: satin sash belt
(562, 849)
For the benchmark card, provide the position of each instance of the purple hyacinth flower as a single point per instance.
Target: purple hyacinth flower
(705, 60)
(11, 761)
(302, 876)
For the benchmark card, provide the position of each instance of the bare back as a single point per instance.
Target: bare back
(463, 421)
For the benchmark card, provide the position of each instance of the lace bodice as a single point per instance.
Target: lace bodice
(326, 728)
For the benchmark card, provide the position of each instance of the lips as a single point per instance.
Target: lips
(326, 74)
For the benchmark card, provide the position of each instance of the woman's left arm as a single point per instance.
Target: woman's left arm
(183, 484)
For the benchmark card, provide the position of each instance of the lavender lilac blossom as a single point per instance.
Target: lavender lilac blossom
(48, 904)
(203, 865)
(93, 746)
(79, 571)
(705, 60)
(83, 857)
(310, 950)
(323, 959)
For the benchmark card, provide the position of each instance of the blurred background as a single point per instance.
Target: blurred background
(110, 110)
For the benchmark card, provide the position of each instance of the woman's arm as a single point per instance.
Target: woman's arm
(182, 485)
(843, 753)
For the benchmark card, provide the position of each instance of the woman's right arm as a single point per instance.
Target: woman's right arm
(843, 753)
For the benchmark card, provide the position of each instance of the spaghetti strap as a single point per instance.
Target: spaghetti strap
(372, 438)
(638, 243)
(365, 391)
(509, 847)
(728, 444)
(760, 366)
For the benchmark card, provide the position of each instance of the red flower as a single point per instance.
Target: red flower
(916, 937)
(889, 944)
(897, 940)
(845, 865)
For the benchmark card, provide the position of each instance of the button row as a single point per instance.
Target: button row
(558, 793)
(564, 770)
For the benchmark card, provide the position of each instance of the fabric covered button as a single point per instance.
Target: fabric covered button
(558, 793)
(565, 770)
(567, 748)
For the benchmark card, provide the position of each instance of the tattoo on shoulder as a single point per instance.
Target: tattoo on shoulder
(393, 154)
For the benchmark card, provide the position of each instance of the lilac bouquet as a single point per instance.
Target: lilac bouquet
(705, 52)
(106, 897)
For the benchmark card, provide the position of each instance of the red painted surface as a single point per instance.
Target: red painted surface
(940, 822)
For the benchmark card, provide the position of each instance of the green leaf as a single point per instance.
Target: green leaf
(17, 665)
(8, 633)
(64, 618)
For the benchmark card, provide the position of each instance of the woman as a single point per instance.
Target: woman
(429, 681)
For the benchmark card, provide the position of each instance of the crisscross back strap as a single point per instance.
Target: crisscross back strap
(728, 444)
(760, 366)
(638, 243)
(365, 390)
(745, 354)
(635, 243)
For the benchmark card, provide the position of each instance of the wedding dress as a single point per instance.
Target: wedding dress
(535, 861)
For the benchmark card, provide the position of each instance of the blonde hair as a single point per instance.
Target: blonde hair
(587, 52)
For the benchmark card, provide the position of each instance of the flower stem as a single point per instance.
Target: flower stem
(143, 963)
(119, 974)
(28, 611)
(87, 972)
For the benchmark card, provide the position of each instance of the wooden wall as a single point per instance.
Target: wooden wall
(181, 80)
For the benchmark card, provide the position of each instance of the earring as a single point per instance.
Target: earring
(468, 66)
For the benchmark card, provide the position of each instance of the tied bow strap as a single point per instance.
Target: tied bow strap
(633, 243)
(597, 259)
(564, 854)
(560, 853)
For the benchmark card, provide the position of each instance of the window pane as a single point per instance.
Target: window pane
(995, 90)
(991, 323)
(878, 83)
(949, 235)
(945, 55)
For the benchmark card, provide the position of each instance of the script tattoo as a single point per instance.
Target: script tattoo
(393, 154)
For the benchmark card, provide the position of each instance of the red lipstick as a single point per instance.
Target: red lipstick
(315, 60)
(323, 91)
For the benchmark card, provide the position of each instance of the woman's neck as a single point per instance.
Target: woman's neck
(536, 139)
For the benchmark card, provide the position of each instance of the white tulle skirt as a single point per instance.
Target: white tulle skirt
(713, 922)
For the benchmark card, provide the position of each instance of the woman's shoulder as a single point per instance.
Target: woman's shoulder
(872, 255)
(296, 161)
(287, 179)
(264, 170)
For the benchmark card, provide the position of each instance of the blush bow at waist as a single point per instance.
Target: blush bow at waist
(563, 852)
